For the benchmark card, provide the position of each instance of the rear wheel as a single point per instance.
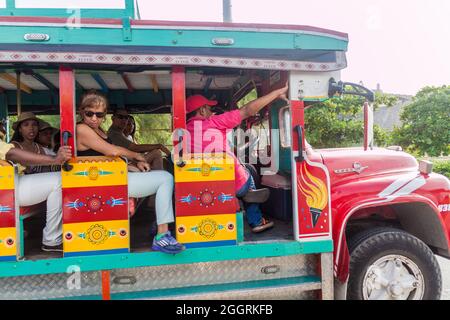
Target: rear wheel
(390, 264)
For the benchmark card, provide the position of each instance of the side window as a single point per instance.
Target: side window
(285, 127)
(262, 130)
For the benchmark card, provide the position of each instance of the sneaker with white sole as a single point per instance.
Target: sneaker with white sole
(167, 244)
(57, 248)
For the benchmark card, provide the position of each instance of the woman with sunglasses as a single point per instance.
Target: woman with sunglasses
(93, 141)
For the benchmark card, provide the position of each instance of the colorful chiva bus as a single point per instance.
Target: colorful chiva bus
(320, 199)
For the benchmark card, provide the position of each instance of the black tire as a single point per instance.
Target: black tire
(368, 246)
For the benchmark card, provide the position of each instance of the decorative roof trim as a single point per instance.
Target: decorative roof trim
(186, 60)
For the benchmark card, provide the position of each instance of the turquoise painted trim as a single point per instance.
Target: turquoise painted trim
(240, 226)
(86, 298)
(171, 38)
(22, 237)
(284, 154)
(11, 10)
(210, 244)
(58, 13)
(94, 253)
(148, 259)
(184, 291)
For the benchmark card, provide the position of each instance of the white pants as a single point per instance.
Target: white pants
(40, 187)
(143, 184)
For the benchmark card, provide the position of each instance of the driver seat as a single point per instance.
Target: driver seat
(260, 195)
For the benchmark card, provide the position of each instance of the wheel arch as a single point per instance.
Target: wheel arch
(416, 218)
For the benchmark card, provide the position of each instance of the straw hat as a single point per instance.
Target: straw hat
(23, 117)
(45, 125)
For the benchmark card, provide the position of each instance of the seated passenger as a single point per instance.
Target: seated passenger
(199, 114)
(26, 130)
(93, 141)
(116, 134)
(37, 188)
(130, 130)
(46, 136)
(2, 131)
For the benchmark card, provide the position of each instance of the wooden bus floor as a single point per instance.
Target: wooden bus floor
(142, 232)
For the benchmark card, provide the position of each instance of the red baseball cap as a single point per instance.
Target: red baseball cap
(197, 101)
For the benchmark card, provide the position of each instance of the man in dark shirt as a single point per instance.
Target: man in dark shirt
(152, 152)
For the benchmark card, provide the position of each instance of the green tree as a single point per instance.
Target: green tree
(426, 123)
(338, 122)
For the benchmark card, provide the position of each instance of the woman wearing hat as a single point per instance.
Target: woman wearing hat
(36, 188)
(26, 130)
(47, 137)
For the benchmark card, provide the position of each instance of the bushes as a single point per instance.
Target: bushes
(442, 167)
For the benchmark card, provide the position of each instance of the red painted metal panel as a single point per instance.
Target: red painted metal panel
(67, 103)
(203, 198)
(7, 209)
(106, 285)
(298, 118)
(179, 97)
(313, 201)
(95, 204)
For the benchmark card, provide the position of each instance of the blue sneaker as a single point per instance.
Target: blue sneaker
(167, 244)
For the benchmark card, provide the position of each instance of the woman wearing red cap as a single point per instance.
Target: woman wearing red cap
(200, 119)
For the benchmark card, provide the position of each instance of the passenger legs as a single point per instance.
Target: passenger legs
(36, 188)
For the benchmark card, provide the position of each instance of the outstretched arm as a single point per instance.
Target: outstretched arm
(148, 148)
(27, 158)
(89, 139)
(252, 108)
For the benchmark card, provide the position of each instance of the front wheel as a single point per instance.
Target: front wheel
(390, 264)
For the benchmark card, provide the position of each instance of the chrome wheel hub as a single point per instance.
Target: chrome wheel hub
(393, 277)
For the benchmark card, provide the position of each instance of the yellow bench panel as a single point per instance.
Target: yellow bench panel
(95, 172)
(195, 229)
(6, 176)
(206, 167)
(96, 236)
(8, 242)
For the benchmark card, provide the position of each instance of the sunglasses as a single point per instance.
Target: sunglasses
(121, 116)
(90, 114)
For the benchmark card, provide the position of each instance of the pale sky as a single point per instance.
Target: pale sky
(401, 44)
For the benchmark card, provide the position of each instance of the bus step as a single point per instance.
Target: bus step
(286, 288)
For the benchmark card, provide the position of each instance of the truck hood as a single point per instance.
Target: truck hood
(342, 163)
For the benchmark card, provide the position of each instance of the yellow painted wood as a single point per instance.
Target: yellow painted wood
(5, 249)
(206, 167)
(95, 172)
(98, 235)
(6, 176)
(11, 79)
(206, 228)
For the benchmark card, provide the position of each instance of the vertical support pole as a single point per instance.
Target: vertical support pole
(297, 118)
(106, 286)
(326, 275)
(368, 126)
(67, 104)
(129, 9)
(10, 4)
(19, 93)
(179, 97)
(226, 4)
(179, 115)
(4, 116)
